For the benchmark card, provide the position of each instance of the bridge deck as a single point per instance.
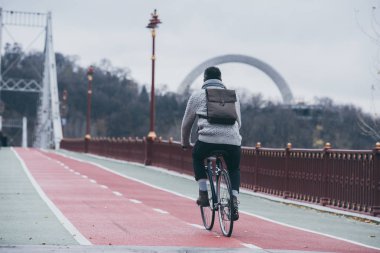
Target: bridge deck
(70, 199)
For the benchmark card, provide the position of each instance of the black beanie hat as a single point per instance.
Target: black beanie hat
(212, 73)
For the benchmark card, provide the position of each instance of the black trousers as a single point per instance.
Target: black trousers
(202, 150)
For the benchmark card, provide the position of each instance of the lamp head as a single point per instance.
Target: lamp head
(154, 21)
(90, 72)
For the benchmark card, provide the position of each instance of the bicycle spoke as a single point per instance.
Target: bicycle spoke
(225, 203)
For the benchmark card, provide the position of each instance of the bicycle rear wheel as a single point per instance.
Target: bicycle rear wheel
(208, 212)
(225, 207)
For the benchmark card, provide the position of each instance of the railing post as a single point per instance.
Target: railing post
(286, 192)
(149, 151)
(376, 180)
(87, 139)
(324, 199)
(256, 173)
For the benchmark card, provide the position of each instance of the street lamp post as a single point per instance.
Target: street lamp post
(153, 24)
(87, 137)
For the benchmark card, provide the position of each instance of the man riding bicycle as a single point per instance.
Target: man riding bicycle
(211, 137)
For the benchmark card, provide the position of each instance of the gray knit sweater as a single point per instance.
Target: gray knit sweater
(210, 133)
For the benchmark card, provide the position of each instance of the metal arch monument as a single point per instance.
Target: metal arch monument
(286, 93)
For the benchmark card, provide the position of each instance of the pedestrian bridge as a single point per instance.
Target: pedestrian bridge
(347, 179)
(64, 201)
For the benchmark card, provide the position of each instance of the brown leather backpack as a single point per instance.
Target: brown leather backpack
(221, 106)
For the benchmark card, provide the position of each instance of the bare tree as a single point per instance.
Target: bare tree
(370, 126)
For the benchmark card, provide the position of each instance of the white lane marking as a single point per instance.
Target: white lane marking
(77, 173)
(251, 246)
(117, 193)
(135, 201)
(66, 167)
(160, 211)
(196, 226)
(122, 175)
(84, 176)
(63, 220)
(104, 186)
(93, 181)
(71, 170)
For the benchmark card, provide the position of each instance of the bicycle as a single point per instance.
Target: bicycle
(220, 195)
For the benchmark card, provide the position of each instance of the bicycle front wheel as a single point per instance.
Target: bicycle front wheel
(208, 212)
(225, 207)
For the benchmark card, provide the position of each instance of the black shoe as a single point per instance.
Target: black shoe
(235, 208)
(203, 199)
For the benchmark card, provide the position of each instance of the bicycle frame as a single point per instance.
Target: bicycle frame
(214, 171)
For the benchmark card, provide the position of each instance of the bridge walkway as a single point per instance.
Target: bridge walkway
(65, 201)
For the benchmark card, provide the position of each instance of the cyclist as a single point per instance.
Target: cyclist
(212, 137)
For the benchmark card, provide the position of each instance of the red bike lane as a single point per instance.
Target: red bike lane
(108, 208)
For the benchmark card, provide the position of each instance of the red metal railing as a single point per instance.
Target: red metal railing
(76, 145)
(169, 155)
(119, 148)
(347, 179)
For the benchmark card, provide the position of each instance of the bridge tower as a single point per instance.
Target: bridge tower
(48, 130)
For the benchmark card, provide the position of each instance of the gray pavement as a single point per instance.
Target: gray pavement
(125, 249)
(25, 219)
(28, 225)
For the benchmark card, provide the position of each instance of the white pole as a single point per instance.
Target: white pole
(49, 130)
(1, 123)
(52, 81)
(24, 132)
(1, 44)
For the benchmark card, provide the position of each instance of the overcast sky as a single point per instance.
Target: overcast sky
(317, 46)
